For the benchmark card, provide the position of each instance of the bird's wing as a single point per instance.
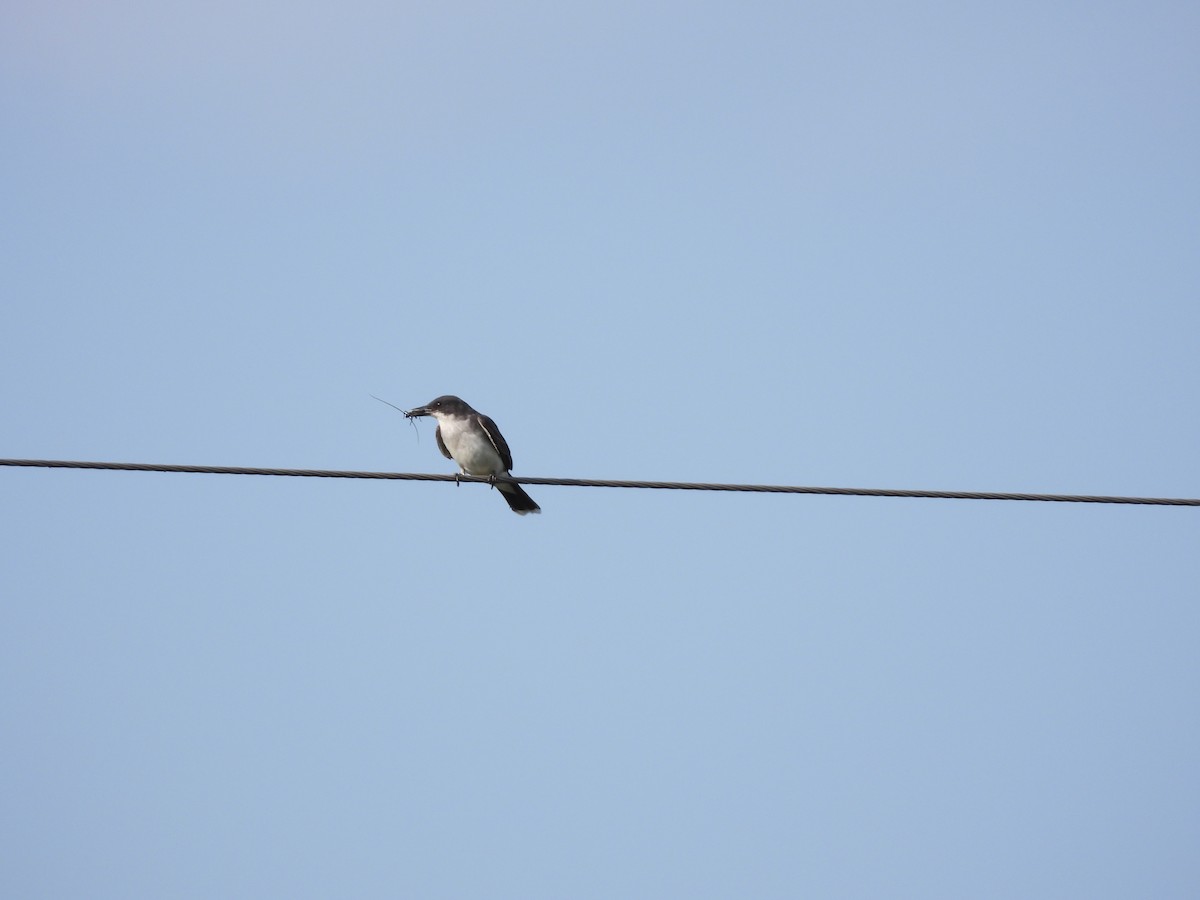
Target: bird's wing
(437, 434)
(497, 439)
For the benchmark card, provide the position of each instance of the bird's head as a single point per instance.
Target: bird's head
(446, 405)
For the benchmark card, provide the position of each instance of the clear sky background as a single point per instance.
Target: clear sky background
(923, 245)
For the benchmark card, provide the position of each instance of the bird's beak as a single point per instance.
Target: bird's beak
(419, 411)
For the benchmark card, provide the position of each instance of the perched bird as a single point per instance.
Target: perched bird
(473, 441)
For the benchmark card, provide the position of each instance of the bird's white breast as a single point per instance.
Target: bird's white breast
(471, 449)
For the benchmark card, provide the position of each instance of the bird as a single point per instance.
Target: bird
(473, 441)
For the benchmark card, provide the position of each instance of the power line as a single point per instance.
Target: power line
(592, 482)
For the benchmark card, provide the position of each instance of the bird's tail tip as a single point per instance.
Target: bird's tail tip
(519, 501)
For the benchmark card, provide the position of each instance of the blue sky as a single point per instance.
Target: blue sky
(852, 244)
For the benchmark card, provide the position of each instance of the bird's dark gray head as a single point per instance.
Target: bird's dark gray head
(447, 405)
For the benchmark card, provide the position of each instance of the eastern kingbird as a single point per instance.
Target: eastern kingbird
(473, 441)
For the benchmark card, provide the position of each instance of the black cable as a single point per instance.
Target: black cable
(592, 482)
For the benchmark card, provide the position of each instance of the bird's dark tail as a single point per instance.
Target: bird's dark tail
(518, 501)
